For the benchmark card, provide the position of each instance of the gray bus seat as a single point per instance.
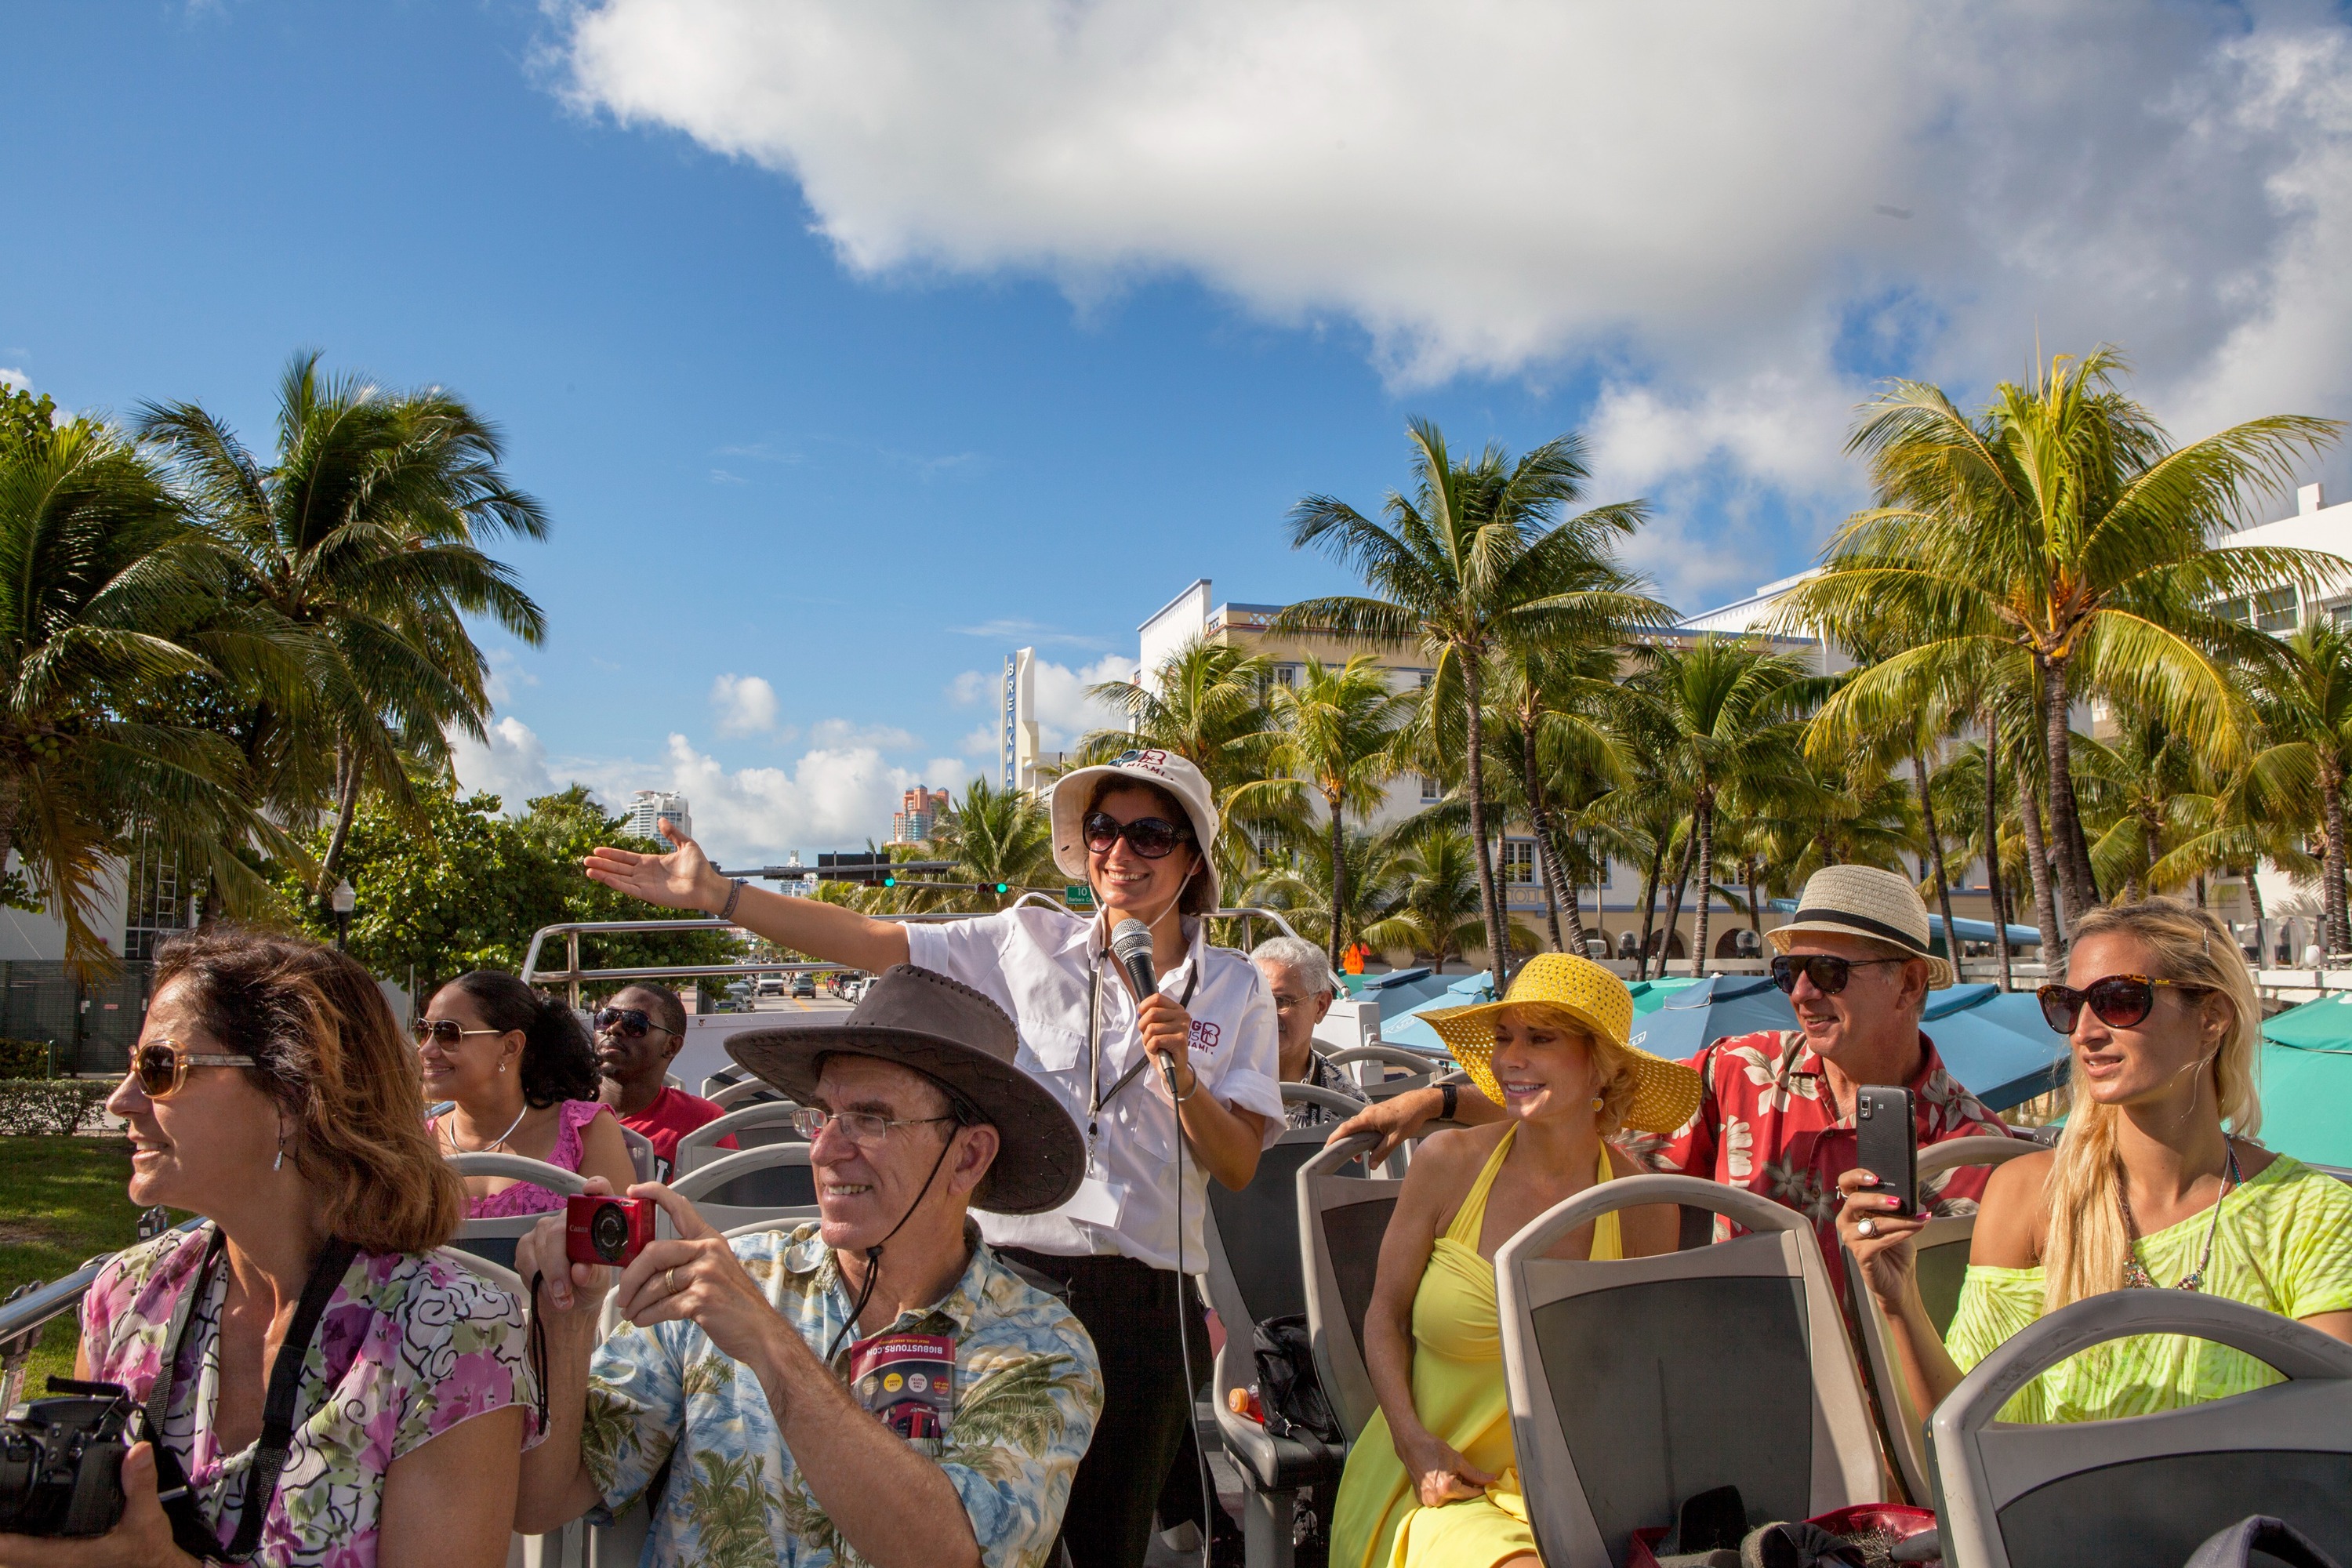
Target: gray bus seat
(1421, 1068)
(1941, 1255)
(736, 1096)
(1637, 1384)
(1253, 1274)
(494, 1236)
(719, 1188)
(1341, 1219)
(2146, 1489)
(642, 1158)
(756, 1126)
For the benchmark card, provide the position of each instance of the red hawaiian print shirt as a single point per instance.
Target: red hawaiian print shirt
(1764, 1123)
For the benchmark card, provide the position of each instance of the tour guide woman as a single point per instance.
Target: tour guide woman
(1139, 830)
(1432, 1481)
(2157, 1182)
(271, 1093)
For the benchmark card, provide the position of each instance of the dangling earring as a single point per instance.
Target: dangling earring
(502, 1066)
(1596, 1105)
(279, 1162)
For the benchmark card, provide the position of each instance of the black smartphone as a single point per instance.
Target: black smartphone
(1886, 1142)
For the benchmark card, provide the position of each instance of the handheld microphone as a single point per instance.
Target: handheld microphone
(1130, 943)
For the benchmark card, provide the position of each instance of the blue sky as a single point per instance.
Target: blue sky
(851, 346)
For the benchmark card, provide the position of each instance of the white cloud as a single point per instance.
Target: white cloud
(511, 765)
(1065, 711)
(15, 378)
(840, 732)
(1742, 215)
(829, 796)
(742, 704)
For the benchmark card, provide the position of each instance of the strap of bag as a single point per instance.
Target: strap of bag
(190, 1530)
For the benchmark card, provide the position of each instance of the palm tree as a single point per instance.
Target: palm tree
(1477, 556)
(1555, 708)
(1723, 708)
(996, 838)
(1335, 734)
(1440, 907)
(365, 536)
(2150, 787)
(2062, 521)
(2304, 697)
(1299, 884)
(1207, 703)
(113, 604)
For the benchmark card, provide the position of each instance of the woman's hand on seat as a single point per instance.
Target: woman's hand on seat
(1439, 1474)
(1885, 1254)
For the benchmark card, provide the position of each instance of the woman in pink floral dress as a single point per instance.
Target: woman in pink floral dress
(519, 1073)
(271, 1094)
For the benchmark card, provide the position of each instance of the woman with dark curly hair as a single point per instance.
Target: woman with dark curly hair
(520, 1078)
(271, 1094)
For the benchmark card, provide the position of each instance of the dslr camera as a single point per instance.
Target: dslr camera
(62, 1460)
(605, 1230)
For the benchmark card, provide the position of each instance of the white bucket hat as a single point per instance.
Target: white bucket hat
(1165, 770)
(1863, 900)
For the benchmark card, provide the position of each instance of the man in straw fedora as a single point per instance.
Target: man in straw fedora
(1777, 1114)
(753, 1368)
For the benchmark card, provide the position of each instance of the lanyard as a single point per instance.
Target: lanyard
(1095, 1097)
(190, 1529)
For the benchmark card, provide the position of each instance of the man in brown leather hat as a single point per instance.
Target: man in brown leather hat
(755, 1367)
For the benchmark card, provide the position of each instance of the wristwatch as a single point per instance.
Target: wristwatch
(1449, 1095)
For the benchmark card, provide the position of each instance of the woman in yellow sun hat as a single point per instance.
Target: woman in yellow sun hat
(1433, 1482)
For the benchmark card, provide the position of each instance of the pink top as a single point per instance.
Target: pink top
(529, 1197)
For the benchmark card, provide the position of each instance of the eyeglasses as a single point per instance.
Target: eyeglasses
(863, 1127)
(1152, 838)
(2119, 1001)
(629, 1023)
(161, 1066)
(1828, 973)
(445, 1032)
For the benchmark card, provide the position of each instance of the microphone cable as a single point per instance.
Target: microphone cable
(1209, 1504)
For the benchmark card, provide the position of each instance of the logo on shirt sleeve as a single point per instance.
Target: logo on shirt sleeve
(1205, 1035)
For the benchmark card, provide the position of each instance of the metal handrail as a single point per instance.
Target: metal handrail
(573, 977)
(34, 1305)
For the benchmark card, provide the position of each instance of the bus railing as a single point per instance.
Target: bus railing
(32, 1306)
(573, 976)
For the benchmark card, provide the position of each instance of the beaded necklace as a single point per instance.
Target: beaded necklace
(2135, 1274)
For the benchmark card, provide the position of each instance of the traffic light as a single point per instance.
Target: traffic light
(1003, 887)
(890, 881)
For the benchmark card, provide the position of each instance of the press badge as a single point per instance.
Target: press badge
(1098, 1201)
(908, 1381)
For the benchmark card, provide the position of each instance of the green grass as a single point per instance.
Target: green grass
(61, 1203)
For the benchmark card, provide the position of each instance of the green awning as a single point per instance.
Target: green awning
(2306, 1082)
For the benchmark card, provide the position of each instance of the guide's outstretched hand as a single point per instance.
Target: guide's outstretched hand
(682, 880)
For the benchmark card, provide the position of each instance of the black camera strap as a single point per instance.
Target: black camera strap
(191, 1532)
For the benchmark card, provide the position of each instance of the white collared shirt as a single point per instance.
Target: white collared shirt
(1033, 963)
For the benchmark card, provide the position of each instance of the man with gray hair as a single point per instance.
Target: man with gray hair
(1299, 976)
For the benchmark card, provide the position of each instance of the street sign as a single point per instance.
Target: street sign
(1078, 896)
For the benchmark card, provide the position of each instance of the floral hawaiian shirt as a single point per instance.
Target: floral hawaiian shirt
(1322, 1075)
(1028, 1388)
(408, 1347)
(1764, 1123)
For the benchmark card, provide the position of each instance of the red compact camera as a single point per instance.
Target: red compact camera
(606, 1230)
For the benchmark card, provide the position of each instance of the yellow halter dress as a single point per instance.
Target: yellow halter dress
(1457, 1391)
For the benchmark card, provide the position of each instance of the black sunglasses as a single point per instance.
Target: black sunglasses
(2119, 1001)
(629, 1023)
(1828, 973)
(1148, 836)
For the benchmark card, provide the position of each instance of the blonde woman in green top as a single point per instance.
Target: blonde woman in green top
(2155, 1184)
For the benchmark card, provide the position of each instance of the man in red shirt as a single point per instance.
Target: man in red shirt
(638, 1033)
(1777, 1117)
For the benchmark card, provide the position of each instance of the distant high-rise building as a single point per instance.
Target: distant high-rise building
(918, 816)
(649, 808)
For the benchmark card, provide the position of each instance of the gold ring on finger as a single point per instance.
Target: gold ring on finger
(669, 1279)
